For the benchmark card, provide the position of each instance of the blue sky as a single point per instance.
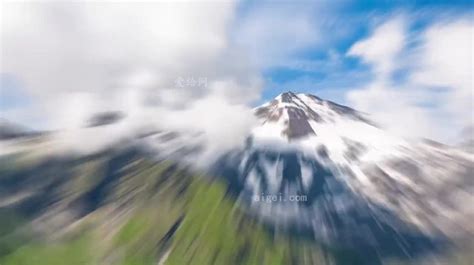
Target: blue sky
(327, 70)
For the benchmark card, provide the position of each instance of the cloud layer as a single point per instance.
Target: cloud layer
(434, 99)
(155, 61)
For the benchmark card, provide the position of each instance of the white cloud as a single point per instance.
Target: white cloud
(419, 107)
(446, 60)
(226, 125)
(382, 47)
(75, 59)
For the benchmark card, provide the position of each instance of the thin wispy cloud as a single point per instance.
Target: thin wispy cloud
(435, 100)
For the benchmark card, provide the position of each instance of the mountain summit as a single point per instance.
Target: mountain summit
(294, 115)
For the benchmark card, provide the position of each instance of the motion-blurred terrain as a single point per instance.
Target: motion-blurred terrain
(369, 197)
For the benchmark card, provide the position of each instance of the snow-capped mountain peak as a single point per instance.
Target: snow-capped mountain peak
(350, 170)
(293, 116)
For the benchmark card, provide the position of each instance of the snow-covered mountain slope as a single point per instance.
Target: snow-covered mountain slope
(361, 183)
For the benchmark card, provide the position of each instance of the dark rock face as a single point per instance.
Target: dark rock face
(270, 112)
(344, 110)
(287, 97)
(315, 98)
(10, 133)
(354, 149)
(168, 136)
(9, 130)
(298, 125)
(105, 118)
